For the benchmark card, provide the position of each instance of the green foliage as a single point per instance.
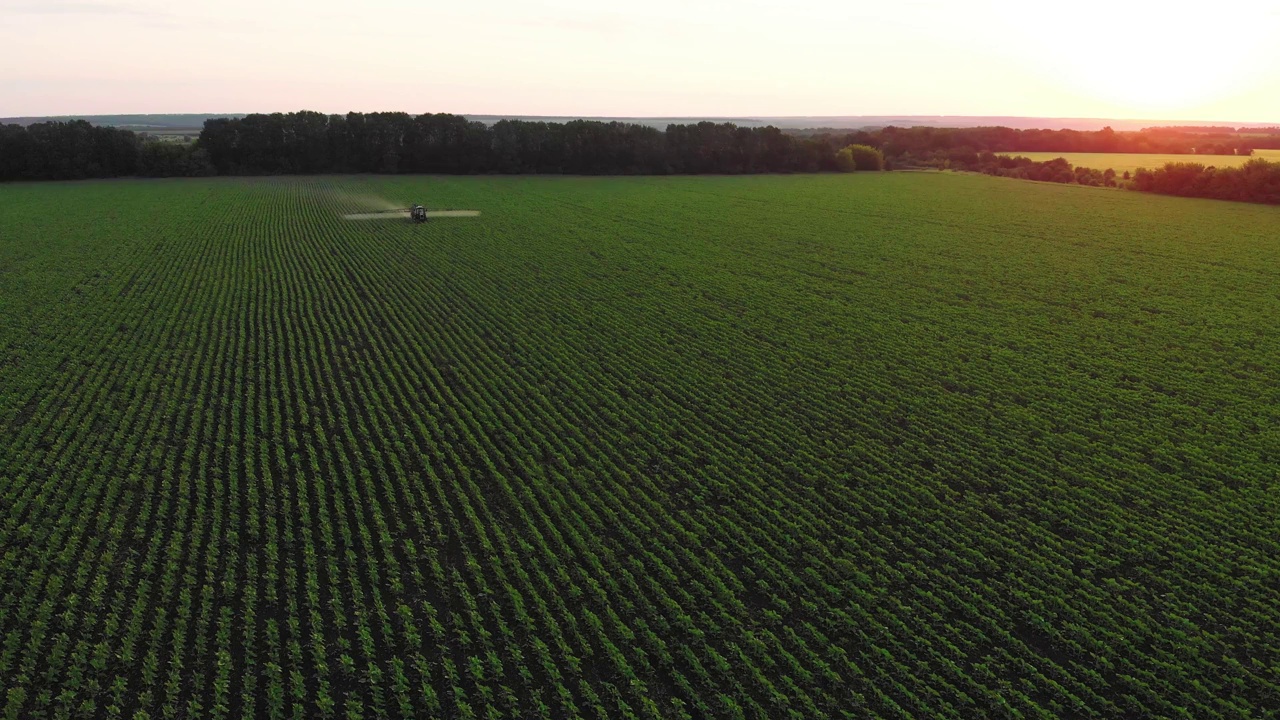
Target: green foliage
(845, 161)
(859, 157)
(1256, 181)
(1130, 162)
(157, 158)
(677, 447)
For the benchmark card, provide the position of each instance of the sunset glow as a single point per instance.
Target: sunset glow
(1132, 59)
(666, 57)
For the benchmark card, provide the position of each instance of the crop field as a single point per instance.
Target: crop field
(900, 445)
(1120, 162)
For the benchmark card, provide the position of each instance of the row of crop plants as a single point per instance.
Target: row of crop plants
(570, 463)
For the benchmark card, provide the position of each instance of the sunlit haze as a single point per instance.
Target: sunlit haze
(1096, 58)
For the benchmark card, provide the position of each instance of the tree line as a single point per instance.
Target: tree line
(1057, 170)
(922, 145)
(312, 143)
(1256, 181)
(308, 142)
(78, 150)
(66, 151)
(1218, 129)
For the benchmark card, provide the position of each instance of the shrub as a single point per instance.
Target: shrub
(859, 157)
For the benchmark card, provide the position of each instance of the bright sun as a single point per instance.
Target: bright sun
(1143, 57)
(1143, 78)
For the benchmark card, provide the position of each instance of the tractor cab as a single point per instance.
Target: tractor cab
(418, 214)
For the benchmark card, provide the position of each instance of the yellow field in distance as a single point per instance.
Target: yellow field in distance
(1132, 161)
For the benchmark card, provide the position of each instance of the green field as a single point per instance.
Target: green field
(1121, 162)
(904, 445)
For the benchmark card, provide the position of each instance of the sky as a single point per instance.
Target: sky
(683, 58)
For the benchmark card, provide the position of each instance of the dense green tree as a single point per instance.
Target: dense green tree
(66, 151)
(859, 157)
(158, 158)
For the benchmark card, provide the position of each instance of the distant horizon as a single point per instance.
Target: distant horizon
(788, 122)
(585, 116)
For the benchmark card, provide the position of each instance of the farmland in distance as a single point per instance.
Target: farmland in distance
(883, 445)
(1121, 162)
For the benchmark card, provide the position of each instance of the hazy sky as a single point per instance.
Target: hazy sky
(1087, 58)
